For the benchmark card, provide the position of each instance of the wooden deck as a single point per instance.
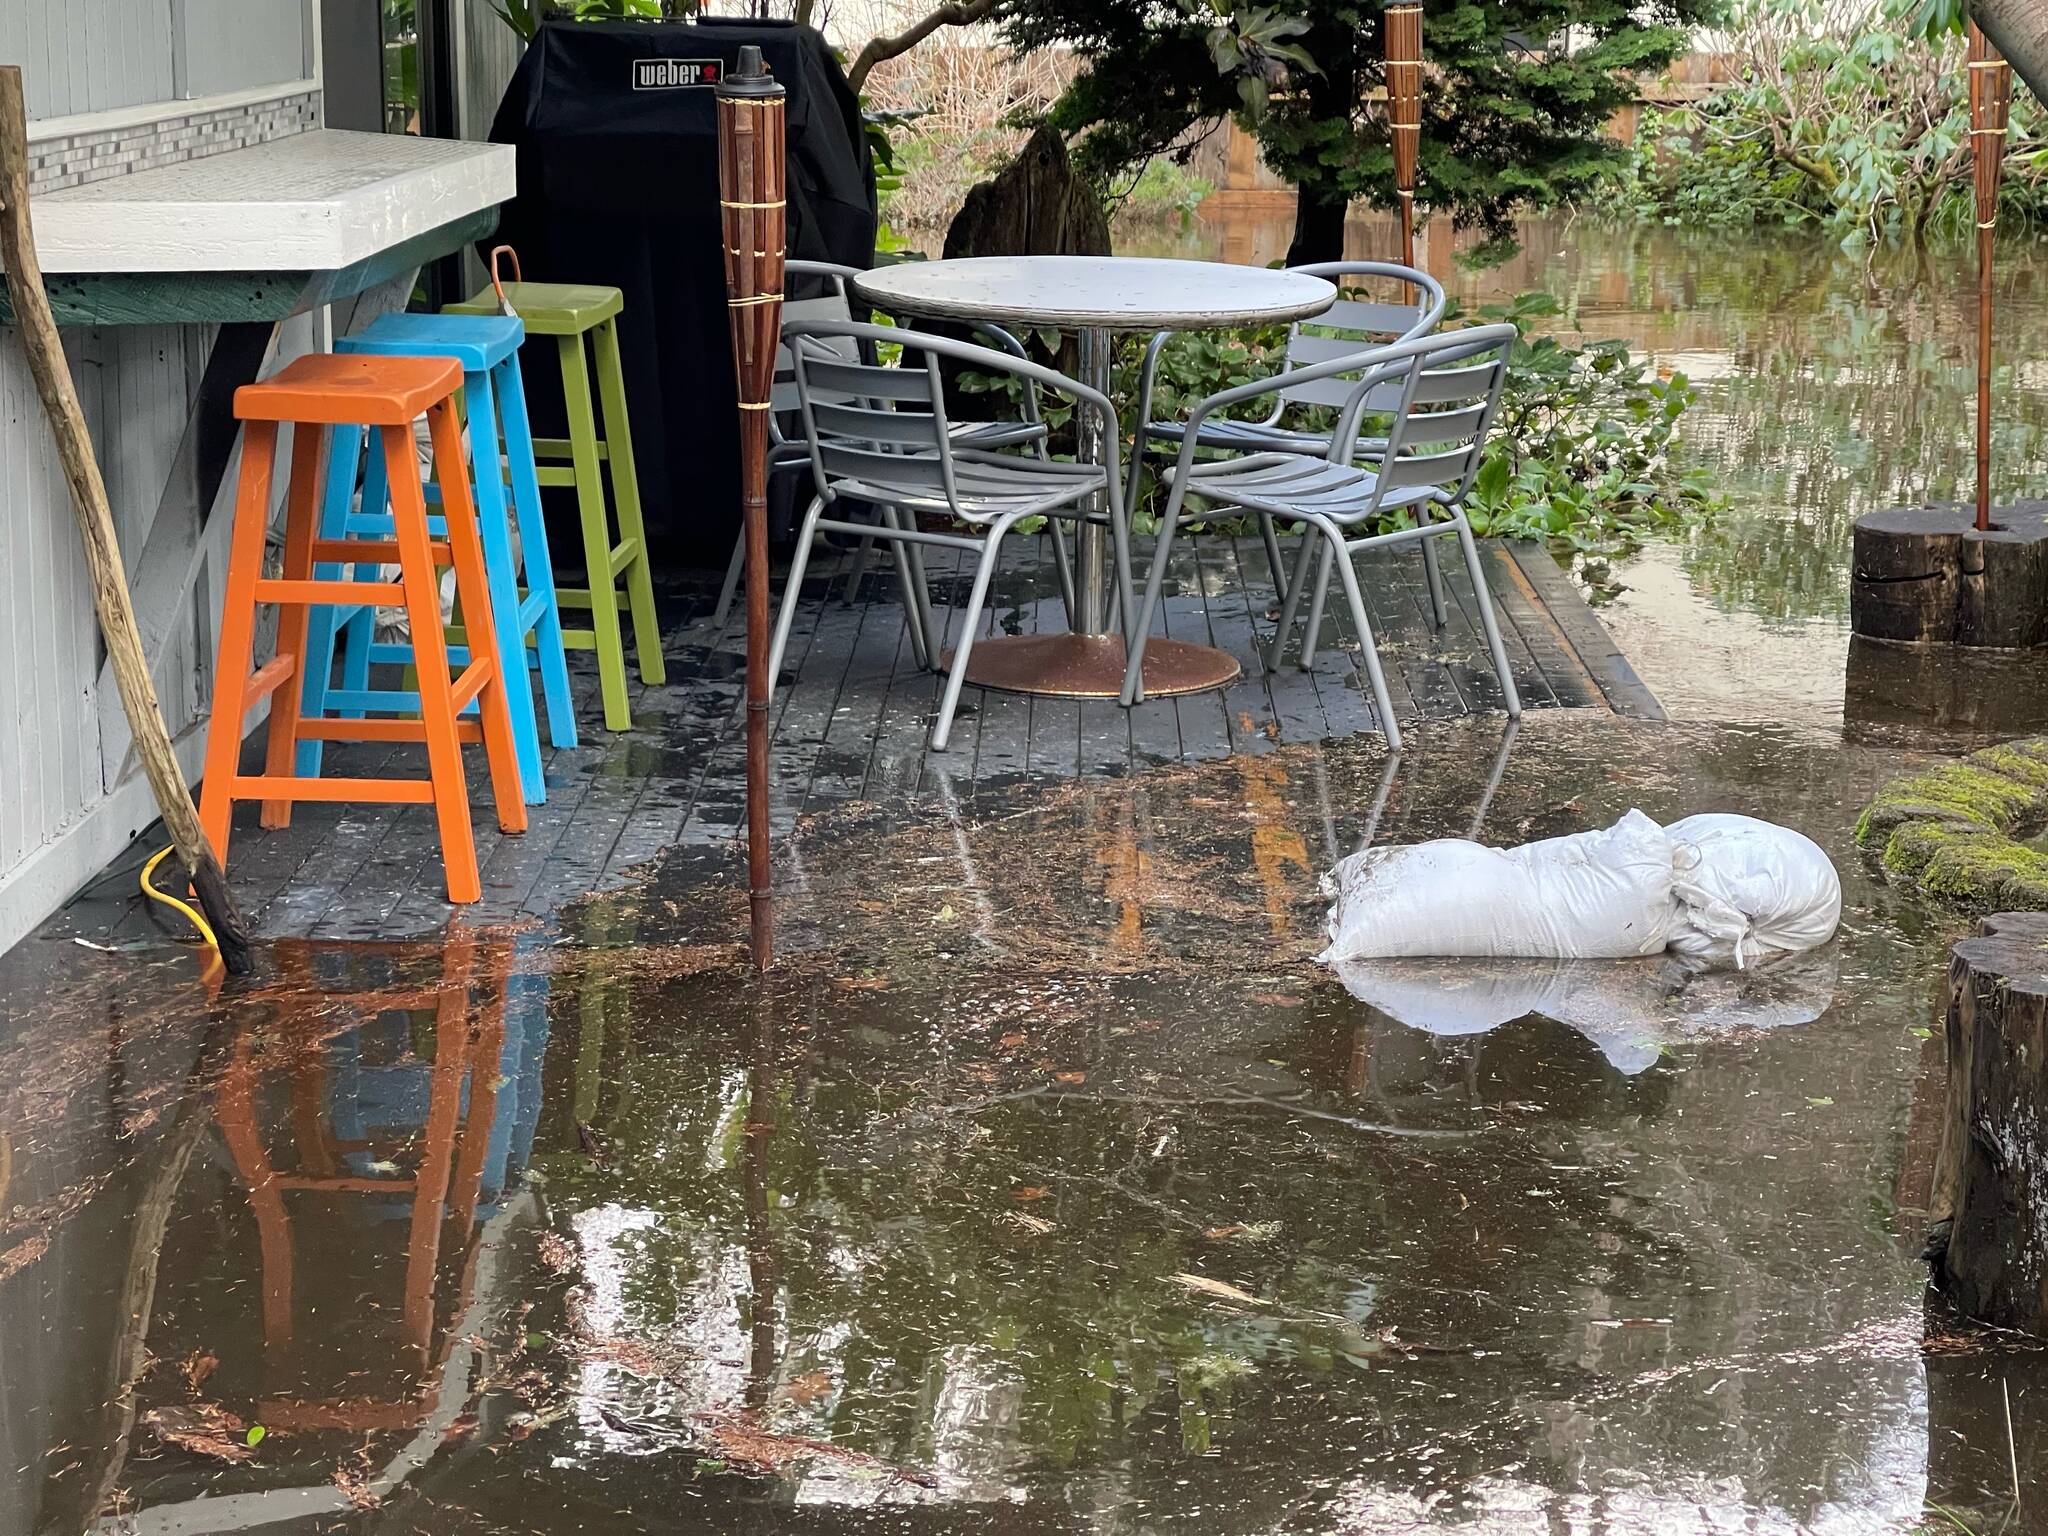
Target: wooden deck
(850, 723)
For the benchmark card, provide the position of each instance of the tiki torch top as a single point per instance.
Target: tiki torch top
(750, 76)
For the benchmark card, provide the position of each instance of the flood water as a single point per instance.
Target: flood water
(1831, 384)
(1049, 1187)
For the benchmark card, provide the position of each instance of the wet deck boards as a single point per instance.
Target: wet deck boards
(850, 723)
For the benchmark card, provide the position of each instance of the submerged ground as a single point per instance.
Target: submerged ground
(1050, 1187)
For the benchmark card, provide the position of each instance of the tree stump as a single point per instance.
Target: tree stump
(1927, 574)
(1034, 206)
(1988, 1241)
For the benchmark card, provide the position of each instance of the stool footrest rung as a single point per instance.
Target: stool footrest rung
(379, 730)
(624, 555)
(562, 448)
(383, 594)
(372, 551)
(264, 786)
(471, 682)
(268, 678)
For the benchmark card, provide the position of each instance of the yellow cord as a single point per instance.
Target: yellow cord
(191, 912)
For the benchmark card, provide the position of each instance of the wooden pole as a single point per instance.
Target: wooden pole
(1403, 38)
(38, 330)
(1990, 107)
(751, 159)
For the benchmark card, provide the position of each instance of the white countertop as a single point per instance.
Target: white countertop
(314, 202)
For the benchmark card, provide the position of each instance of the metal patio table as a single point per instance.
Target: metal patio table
(1094, 298)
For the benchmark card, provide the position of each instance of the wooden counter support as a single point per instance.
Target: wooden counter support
(1988, 1240)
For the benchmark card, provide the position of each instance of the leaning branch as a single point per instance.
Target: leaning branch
(879, 50)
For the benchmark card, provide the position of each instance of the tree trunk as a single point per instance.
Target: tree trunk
(1318, 225)
(2019, 28)
(1988, 1240)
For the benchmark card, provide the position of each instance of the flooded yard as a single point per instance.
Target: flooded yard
(1049, 1184)
(1049, 1187)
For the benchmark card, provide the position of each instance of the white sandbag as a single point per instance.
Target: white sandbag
(1717, 888)
(1591, 896)
(1750, 888)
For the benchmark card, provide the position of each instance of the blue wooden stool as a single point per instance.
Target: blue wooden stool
(487, 347)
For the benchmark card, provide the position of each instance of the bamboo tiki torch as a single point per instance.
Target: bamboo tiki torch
(1990, 106)
(1403, 31)
(751, 156)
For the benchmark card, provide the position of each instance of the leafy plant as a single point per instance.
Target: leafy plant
(1582, 450)
(525, 16)
(1847, 115)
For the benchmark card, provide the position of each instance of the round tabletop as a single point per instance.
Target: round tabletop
(1111, 293)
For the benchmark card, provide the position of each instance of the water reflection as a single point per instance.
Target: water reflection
(1631, 1010)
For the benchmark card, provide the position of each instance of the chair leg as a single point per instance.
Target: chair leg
(618, 443)
(912, 555)
(916, 601)
(1488, 619)
(473, 591)
(536, 561)
(862, 552)
(1275, 563)
(1291, 603)
(422, 581)
(1062, 567)
(344, 462)
(302, 517)
(1435, 578)
(1382, 701)
(607, 637)
(493, 524)
(1139, 628)
(1126, 598)
(234, 657)
(792, 589)
(733, 568)
(956, 678)
(1311, 636)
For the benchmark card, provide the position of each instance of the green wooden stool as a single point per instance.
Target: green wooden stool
(568, 312)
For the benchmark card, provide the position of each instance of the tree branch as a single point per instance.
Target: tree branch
(879, 50)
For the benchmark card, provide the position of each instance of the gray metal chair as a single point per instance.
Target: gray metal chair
(1441, 393)
(1361, 325)
(825, 298)
(881, 436)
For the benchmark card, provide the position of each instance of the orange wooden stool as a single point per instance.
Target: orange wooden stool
(313, 395)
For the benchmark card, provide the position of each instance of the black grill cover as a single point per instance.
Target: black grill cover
(619, 185)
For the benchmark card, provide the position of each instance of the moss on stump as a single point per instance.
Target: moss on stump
(1949, 830)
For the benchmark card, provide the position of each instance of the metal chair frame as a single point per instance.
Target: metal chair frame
(787, 453)
(1442, 393)
(880, 436)
(1366, 324)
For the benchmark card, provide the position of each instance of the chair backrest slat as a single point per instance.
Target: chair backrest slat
(1304, 350)
(1368, 318)
(1455, 384)
(1330, 392)
(904, 429)
(1453, 426)
(866, 381)
(1445, 468)
(843, 461)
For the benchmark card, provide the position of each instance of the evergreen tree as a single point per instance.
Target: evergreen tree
(1516, 93)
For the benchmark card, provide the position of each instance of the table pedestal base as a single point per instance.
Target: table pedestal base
(1092, 666)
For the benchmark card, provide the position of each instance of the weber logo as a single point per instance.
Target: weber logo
(673, 74)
